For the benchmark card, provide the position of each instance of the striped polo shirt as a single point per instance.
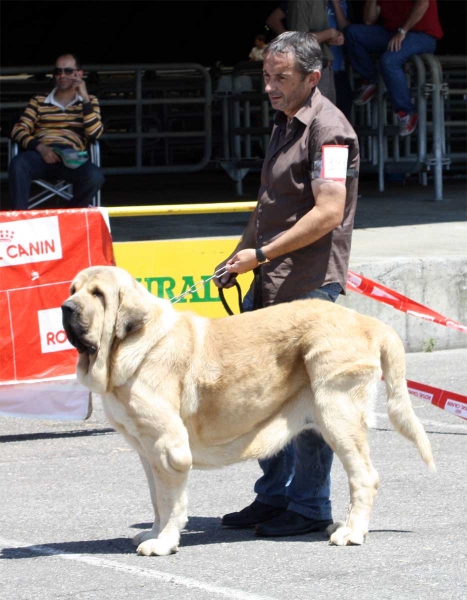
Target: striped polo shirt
(45, 121)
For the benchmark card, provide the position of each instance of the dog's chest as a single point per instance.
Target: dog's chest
(117, 415)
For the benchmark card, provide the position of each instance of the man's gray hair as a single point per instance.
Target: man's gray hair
(302, 45)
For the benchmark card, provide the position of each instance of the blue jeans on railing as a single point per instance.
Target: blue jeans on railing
(362, 41)
(299, 476)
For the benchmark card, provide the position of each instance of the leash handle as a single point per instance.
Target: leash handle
(224, 301)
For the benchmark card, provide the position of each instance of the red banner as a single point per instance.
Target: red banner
(40, 253)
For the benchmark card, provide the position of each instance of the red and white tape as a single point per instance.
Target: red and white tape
(456, 404)
(453, 403)
(367, 287)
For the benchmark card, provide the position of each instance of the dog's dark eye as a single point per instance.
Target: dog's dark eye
(97, 293)
(72, 290)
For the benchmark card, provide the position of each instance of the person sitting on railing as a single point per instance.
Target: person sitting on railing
(52, 128)
(256, 53)
(311, 16)
(407, 27)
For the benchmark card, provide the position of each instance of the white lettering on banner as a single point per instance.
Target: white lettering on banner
(457, 408)
(381, 293)
(354, 279)
(30, 241)
(456, 326)
(420, 394)
(53, 337)
(421, 315)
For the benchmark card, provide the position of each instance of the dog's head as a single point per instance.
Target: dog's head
(106, 305)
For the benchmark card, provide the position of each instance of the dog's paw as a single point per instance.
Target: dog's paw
(142, 536)
(330, 529)
(156, 547)
(344, 536)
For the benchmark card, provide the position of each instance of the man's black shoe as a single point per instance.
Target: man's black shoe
(257, 512)
(290, 523)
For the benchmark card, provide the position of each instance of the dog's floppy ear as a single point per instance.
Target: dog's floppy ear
(132, 312)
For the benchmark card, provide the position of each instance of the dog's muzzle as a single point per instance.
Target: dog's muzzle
(74, 330)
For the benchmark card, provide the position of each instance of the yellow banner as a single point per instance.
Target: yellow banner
(169, 268)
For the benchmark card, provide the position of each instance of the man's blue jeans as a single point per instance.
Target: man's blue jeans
(299, 476)
(361, 41)
(87, 180)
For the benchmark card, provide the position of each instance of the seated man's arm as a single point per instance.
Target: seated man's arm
(370, 12)
(23, 131)
(275, 21)
(417, 11)
(92, 121)
(419, 8)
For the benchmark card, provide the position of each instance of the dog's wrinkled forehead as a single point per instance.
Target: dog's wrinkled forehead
(108, 277)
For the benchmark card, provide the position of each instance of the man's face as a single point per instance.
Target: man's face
(66, 79)
(286, 87)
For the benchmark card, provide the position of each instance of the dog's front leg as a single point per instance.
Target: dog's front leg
(154, 532)
(170, 466)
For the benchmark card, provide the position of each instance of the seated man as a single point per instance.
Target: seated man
(407, 27)
(68, 118)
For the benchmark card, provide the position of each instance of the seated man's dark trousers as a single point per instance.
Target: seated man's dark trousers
(87, 180)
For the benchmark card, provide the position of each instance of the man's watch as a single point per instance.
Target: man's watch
(403, 31)
(260, 256)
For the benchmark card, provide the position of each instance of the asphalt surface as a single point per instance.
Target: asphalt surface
(73, 494)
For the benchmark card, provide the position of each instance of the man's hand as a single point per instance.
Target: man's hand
(224, 281)
(80, 88)
(337, 39)
(48, 154)
(243, 261)
(395, 43)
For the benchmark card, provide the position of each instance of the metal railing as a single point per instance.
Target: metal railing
(157, 110)
(382, 150)
(157, 103)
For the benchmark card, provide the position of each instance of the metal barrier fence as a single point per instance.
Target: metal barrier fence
(164, 114)
(382, 150)
(151, 111)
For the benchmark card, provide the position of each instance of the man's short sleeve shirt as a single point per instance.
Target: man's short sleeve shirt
(286, 195)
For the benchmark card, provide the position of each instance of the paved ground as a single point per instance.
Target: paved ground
(72, 494)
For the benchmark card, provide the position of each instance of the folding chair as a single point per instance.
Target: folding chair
(60, 188)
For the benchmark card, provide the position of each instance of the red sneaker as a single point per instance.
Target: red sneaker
(365, 93)
(407, 123)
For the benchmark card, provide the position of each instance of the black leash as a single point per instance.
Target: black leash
(224, 301)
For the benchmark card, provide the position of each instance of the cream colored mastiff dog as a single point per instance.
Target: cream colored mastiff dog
(188, 391)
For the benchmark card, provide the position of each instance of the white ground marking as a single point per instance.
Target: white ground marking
(134, 570)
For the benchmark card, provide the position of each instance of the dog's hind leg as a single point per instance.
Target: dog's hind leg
(343, 425)
(170, 465)
(154, 531)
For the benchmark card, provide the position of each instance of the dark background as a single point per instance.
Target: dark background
(157, 31)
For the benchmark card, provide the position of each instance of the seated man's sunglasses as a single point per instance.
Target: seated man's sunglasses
(65, 71)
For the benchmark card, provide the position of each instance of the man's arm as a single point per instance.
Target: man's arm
(417, 11)
(92, 121)
(248, 240)
(370, 12)
(275, 21)
(23, 131)
(326, 215)
(341, 19)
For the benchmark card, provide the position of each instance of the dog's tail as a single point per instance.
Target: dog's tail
(400, 411)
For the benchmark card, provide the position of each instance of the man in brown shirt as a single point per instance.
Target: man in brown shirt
(298, 241)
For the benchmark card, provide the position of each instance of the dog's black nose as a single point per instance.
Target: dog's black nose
(68, 307)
